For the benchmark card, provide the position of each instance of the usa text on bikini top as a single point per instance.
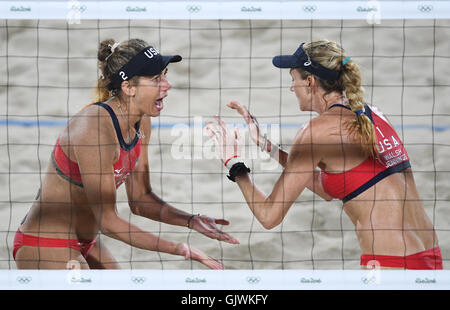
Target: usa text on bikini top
(392, 158)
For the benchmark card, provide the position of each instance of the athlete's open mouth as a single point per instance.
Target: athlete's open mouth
(159, 104)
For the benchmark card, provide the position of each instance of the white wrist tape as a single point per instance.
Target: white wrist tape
(230, 162)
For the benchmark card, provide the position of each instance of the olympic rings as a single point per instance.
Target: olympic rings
(309, 8)
(193, 8)
(23, 280)
(78, 8)
(425, 8)
(369, 280)
(138, 280)
(253, 280)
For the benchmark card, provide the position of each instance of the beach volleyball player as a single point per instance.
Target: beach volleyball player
(103, 146)
(350, 151)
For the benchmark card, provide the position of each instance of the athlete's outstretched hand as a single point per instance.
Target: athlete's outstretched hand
(253, 125)
(228, 142)
(191, 253)
(208, 226)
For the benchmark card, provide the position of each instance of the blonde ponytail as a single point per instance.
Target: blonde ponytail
(332, 56)
(351, 80)
(102, 93)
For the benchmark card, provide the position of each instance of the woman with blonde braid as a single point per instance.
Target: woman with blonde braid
(349, 151)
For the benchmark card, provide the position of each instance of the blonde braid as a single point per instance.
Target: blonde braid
(354, 92)
(331, 55)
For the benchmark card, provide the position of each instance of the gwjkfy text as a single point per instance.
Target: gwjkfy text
(233, 300)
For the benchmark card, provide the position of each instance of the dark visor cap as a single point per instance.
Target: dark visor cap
(301, 60)
(146, 63)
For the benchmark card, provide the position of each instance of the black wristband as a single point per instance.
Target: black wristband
(188, 225)
(236, 170)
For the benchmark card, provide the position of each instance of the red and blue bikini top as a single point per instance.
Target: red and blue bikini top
(129, 155)
(392, 158)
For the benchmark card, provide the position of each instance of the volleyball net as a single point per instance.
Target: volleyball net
(49, 69)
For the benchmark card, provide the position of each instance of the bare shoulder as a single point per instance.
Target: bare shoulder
(320, 129)
(91, 125)
(320, 138)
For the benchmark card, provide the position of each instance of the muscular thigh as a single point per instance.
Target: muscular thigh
(28, 257)
(101, 258)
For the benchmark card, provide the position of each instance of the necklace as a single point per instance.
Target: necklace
(138, 133)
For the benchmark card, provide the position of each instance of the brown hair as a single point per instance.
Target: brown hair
(330, 55)
(110, 62)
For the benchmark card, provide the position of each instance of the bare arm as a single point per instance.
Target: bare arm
(144, 202)
(255, 133)
(277, 153)
(314, 183)
(95, 156)
(95, 151)
(299, 170)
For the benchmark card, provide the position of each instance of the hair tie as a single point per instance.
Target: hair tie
(345, 61)
(359, 112)
(113, 47)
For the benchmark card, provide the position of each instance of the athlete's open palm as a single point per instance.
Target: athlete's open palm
(228, 142)
(191, 253)
(253, 125)
(208, 226)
